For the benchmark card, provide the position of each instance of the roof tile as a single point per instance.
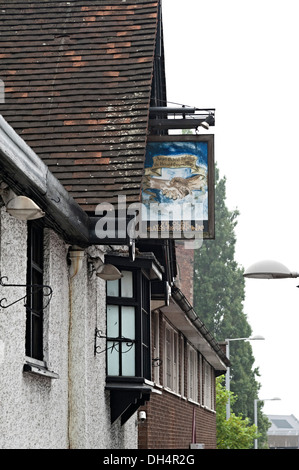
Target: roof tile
(77, 80)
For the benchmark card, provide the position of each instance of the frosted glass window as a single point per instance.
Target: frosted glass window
(128, 359)
(113, 288)
(128, 325)
(192, 374)
(113, 357)
(127, 284)
(112, 321)
(168, 362)
(128, 322)
(171, 360)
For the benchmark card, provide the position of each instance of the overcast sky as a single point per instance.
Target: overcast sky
(240, 57)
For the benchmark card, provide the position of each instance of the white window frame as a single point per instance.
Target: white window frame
(209, 386)
(182, 359)
(192, 373)
(171, 359)
(156, 348)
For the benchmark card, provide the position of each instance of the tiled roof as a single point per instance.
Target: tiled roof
(77, 80)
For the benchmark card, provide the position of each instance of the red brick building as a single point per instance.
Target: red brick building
(186, 361)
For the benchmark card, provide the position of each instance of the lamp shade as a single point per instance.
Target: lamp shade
(268, 269)
(23, 208)
(108, 272)
(256, 337)
(210, 120)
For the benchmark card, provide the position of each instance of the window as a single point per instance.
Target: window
(156, 348)
(128, 333)
(201, 380)
(145, 328)
(182, 386)
(192, 382)
(34, 319)
(171, 361)
(209, 386)
(121, 327)
(128, 326)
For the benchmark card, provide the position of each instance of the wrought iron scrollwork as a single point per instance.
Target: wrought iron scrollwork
(47, 292)
(115, 342)
(97, 334)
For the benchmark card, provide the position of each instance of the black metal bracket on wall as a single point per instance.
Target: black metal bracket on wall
(99, 334)
(34, 288)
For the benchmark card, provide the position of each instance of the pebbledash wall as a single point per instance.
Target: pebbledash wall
(72, 411)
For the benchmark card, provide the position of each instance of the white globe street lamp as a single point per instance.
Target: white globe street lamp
(269, 269)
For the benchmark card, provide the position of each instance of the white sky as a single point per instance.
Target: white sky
(241, 57)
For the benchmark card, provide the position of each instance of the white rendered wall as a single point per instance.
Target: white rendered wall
(74, 410)
(90, 404)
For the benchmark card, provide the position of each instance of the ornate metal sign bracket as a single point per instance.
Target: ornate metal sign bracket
(115, 341)
(98, 334)
(33, 289)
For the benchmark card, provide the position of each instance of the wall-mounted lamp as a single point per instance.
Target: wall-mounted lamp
(23, 208)
(108, 272)
(20, 207)
(209, 121)
(142, 416)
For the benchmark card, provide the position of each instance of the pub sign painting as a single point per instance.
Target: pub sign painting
(178, 186)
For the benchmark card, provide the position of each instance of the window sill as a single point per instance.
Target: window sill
(193, 401)
(158, 385)
(208, 409)
(172, 392)
(33, 366)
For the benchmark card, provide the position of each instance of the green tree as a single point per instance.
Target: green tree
(219, 293)
(236, 432)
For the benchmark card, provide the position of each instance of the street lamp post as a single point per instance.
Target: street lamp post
(227, 376)
(255, 414)
(269, 269)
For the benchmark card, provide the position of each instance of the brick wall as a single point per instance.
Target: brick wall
(169, 424)
(170, 416)
(185, 264)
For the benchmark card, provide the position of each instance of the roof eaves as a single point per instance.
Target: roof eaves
(217, 356)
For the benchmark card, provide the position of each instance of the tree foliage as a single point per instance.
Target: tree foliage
(219, 287)
(236, 432)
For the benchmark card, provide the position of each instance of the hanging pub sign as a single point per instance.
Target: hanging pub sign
(178, 187)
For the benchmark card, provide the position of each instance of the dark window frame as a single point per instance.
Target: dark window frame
(127, 393)
(141, 302)
(34, 305)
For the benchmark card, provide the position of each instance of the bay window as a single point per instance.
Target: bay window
(128, 326)
(121, 321)
(128, 357)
